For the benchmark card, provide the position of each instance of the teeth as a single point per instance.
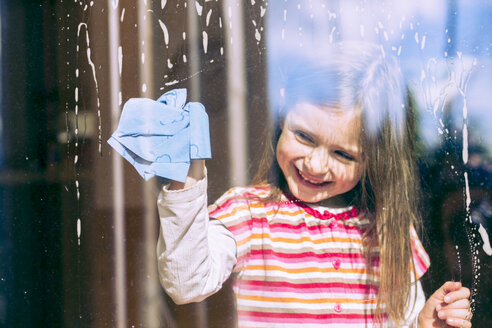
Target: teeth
(310, 181)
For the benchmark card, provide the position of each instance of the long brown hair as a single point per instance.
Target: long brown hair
(362, 76)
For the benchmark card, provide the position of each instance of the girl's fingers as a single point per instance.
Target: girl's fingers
(453, 313)
(456, 317)
(459, 304)
(450, 303)
(461, 323)
(453, 296)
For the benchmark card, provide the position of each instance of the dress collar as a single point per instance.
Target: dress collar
(324, 213)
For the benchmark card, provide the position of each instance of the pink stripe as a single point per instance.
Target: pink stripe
(420, 266)
(305, 257)
(295, 229)
(328, 318)
(314, 288)
(240, 228)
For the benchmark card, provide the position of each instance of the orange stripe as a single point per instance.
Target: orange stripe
(233, 212)
(243, 241)
(306, 301)
(303, 270)
(303, 239)
(269, 212)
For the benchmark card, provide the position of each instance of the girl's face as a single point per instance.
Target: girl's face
(319, 152)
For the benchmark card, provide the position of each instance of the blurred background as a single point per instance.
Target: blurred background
(78, 225)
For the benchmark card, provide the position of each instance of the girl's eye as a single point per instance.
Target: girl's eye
(303, 136)
(344, 155)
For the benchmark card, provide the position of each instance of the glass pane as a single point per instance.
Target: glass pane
(79, 225)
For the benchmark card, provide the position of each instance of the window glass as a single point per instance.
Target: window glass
(79, 226)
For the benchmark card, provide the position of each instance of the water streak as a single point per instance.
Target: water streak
(94, 77)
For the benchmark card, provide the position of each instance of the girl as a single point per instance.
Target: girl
(326, 235)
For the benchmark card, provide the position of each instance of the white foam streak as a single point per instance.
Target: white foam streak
(171, 83)
(79, 230)
(486, 241)
(120, 60)
(205, 41)
(262, 11)
(465, 143)
(467, 192)
(93, 68)
(331, 34)
(208, 17)
(199, 8)
(165, 31)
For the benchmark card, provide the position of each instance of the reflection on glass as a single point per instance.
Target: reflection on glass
(72, 225)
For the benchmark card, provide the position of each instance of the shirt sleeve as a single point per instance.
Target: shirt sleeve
(415, 306)
(195, 255)
(421, 259)
(421, 262)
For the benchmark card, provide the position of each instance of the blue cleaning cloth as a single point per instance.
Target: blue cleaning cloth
(162, 137)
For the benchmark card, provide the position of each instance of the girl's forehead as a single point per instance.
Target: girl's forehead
(333, 126)
(308, 111)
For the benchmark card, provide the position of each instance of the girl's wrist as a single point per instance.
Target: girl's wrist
(420, 321)
(196, 172)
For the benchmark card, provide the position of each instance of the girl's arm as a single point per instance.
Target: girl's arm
(448, 306)
(195, 254)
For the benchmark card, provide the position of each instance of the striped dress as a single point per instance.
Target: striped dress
(299, 265)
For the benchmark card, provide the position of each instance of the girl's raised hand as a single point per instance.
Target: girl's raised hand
(447, 307)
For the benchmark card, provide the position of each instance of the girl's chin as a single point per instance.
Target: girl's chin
(321, 198)
(309, 196)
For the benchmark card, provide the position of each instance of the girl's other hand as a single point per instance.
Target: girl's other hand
(195, 173)
(447, 307)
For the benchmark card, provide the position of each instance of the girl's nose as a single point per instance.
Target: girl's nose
(317, 162)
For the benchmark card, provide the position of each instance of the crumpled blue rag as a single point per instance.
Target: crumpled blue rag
(160, 138)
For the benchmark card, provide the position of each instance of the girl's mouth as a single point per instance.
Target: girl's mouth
(311, 181)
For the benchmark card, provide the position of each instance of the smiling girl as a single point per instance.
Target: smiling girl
(326, 235)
